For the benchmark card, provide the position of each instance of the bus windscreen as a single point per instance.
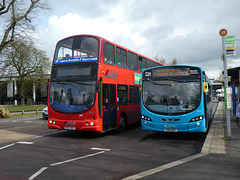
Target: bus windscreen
(172, 90)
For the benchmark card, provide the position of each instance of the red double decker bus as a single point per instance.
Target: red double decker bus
(95, 85)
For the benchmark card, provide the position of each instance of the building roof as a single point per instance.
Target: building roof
(234, 72)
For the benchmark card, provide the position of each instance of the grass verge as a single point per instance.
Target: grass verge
(25, 108)
(28, 114)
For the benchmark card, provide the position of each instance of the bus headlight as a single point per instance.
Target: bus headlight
(198, 118)
(146, 118)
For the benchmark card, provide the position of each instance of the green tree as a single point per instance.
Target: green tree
(27, 61)
(18, 17)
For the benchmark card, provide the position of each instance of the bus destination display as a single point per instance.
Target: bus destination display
(171, 71)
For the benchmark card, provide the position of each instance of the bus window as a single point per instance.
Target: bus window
(122, 94)
(157, 64)
(77, 47)
(121, 57)
(132, 61)
(134, 94)
(108, 54)
(150, 63)
(142, 63)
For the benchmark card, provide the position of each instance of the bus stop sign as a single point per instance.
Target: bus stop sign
(223, 32)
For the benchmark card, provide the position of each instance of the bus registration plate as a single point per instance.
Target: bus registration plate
(170, 130)
(69, 128)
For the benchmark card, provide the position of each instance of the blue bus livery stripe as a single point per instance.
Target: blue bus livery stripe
(75, 60)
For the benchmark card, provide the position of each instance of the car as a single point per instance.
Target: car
(45, 113)
(220, 94)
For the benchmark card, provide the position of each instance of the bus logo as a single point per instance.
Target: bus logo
(70, 123)
(111, 74)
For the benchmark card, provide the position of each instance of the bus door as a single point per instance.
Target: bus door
(109, 107)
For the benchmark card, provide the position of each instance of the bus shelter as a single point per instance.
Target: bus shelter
(235, 81)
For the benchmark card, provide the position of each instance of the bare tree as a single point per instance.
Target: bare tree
(174, 61)
(161, 59)
(24, 59)
(18, 17)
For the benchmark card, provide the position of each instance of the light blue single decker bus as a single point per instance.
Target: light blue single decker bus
(176, 98)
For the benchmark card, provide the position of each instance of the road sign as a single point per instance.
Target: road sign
(228, 97)
(230, 46)
(231, 53)
(230, 39)
(223, 32)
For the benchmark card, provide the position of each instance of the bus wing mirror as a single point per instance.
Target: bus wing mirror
(205, 87)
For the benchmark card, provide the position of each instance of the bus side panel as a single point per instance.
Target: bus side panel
(133, 113)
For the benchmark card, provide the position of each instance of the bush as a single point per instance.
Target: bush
(4, 113)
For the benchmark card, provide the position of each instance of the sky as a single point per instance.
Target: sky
(183, 29)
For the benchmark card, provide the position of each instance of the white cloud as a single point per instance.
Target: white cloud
(73, 24)
(185, 30)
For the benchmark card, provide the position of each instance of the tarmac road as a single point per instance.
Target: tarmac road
(29, 150)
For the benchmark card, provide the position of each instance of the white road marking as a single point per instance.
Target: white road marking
(100, 149)
(41, 122)
(28, 121)
(164, 167)
(67, 161)
(37, 173)
(74, 159)
(25, 142)
(7, 146)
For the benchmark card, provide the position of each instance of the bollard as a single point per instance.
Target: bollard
(22, 112)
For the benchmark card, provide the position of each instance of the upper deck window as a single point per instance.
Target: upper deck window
(157, 64)
(121, 57)
(132, 61)
(76, 49)
(108, 54)
(142, 63)
(150, 63)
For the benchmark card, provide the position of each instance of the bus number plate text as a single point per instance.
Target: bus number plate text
(69, 128)
(170, 130)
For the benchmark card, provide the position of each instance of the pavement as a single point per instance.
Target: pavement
(219, 158)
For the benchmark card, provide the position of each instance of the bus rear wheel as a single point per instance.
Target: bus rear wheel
(122, 123)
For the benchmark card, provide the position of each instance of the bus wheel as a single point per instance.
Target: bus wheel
(122, 123)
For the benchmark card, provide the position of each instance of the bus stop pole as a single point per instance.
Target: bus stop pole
(226, 84)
